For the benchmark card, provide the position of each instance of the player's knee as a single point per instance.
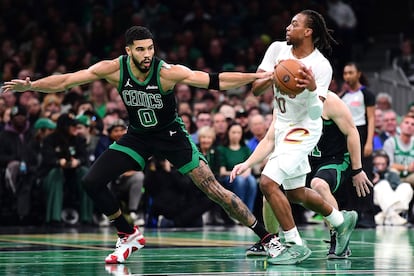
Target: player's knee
(267, 185)
(319, 185)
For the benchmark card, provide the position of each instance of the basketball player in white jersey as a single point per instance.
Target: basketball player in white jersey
(295, 131)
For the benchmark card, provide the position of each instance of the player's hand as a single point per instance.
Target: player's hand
(308, 79)
(17, 85)
(238, 170)
(265, 75)
(362, 183)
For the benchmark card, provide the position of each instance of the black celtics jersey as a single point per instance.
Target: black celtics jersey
(149, 108)
(331, 144)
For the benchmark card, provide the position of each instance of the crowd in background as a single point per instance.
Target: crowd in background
(47, 141)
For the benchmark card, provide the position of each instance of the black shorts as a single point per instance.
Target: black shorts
(172, 143)
(335, 171)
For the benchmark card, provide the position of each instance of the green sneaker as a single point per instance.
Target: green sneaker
(344, 231)
(290, 255)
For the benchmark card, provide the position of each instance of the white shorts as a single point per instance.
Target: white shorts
(289, 164)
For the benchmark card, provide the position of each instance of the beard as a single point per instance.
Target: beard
(140, 65)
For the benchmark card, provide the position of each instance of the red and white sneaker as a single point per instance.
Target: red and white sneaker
(126, 246)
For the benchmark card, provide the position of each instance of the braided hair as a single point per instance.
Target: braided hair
(321, 37)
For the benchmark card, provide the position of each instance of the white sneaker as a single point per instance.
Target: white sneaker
(126, 246)
(395, 219)
(379, 218)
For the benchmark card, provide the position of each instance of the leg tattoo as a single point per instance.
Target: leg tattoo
(231, 203)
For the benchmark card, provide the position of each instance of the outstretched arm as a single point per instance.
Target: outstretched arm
(56, 83)
(172, 74)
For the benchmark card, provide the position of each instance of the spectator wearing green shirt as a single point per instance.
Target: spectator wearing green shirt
(232, 152)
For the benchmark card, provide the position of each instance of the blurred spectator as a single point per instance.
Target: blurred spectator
(377, 143)
(64, 158)
(203, 119)
(383, 101)
(84, 129)
(18, 162)
(183, 92)
(233, 152)
(199, 106)
(242, 118)
(343, 15)
(210, 101)
(390, 194)
(220, 126)
(34, 110)
(184, 107)
(51, 105)
(258, 128)
(228, 112)
(98, 96)
(399, 150)
(10, 99)
(406, 59)
(389, 128)
(188, 122)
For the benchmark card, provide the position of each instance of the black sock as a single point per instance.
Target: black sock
(260, 230)
(122, 226)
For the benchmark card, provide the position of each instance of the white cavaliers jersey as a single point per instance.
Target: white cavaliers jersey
(293, 110)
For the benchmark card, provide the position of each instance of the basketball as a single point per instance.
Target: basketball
(285, 73)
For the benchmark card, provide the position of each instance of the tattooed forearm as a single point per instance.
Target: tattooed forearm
(231, 203)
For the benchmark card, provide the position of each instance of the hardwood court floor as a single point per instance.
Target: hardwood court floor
(201, 251)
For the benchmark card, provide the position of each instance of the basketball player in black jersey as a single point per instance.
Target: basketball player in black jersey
(146, 84)
(336, 157)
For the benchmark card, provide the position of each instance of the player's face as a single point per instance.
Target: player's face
(296, 30)
(142, 53)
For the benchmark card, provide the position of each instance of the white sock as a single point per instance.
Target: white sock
(293, 236)
(335, 218)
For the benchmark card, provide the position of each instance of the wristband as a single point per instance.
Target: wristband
(355, 172)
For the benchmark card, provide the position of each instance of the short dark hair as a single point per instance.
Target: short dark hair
(137, 33)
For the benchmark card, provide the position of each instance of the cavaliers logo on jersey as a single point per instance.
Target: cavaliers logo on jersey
(296, 135)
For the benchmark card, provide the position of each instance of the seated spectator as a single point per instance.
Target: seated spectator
(383, 101)
(390, 194)
(176, 201)
(389, 128)
(379, 119)
(220, 125)
(188, 122)
(233, 152)
(51, 106)
(64, 159)
(399, 149)
(18, 162)
(203, 118)
(406, 59)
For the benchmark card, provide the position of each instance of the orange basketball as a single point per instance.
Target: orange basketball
(285, 73)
